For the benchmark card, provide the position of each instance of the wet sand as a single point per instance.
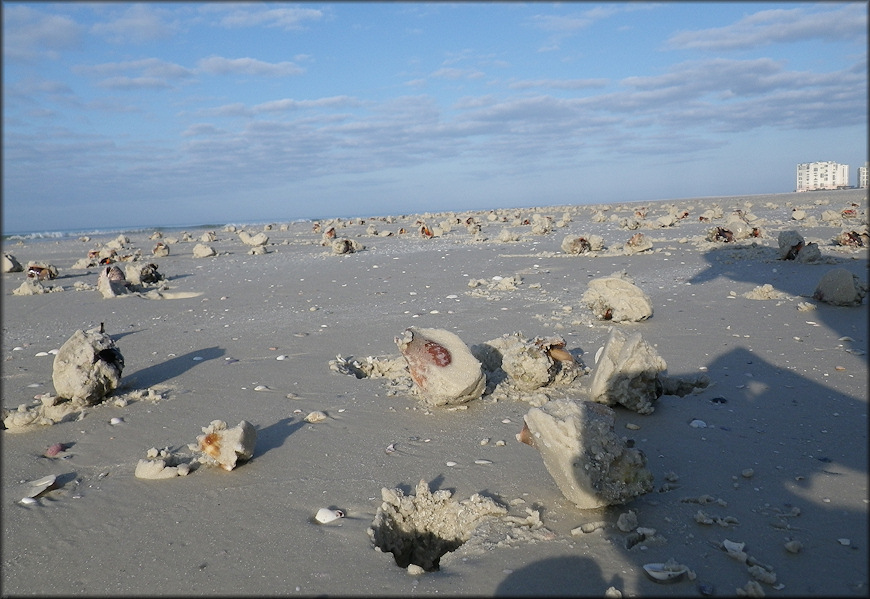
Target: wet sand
(782, 457)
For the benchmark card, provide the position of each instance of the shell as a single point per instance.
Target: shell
(326, 515)
(37, 487)
(53, 450)
(667, 572)
(316, 416)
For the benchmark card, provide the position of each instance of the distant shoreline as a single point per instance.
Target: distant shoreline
(44, 235)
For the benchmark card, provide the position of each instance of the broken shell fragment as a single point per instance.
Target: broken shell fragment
(316, 416)
(591, 465)
(442, 366)
(669, 571)
(326, 515)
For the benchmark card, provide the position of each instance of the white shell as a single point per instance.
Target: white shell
(116, 420)
(39, 486)
(665, 572)
(325, 515)
(28, 500)
(316, 416)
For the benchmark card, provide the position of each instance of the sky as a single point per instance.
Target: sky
(123, 114)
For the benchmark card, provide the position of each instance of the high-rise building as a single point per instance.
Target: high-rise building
(822, 175)
(862, 177)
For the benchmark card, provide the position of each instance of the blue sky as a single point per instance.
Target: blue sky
(124, 114)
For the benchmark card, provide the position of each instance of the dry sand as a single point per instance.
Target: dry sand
(783, 456)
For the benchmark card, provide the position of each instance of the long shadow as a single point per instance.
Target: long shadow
(172, 368)
(273, 436)
(762, 265)
(566, 576)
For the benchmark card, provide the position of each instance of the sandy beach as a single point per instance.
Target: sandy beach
(760, 480)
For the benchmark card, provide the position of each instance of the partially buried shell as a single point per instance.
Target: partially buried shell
(669, 571)
(326, 515)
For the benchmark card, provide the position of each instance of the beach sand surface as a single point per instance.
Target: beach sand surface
(782, 455)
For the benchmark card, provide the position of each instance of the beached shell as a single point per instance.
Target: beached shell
(201, 250)
(626, 373)
(39, 486)
(618, 299)
(10, 264)
(226, 446)
(590, 463)
(442, 366)
(41, 271)
(316, 416)
(326, 515)
(112, 282)
(669, 571)
(87, 367)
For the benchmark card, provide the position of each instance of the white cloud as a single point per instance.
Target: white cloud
(845, 21)
(218, 65)
(559, 83)
(140, 23)
(29, 35)
(251, 15)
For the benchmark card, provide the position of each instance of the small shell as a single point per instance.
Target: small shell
(316, 416)
(53, 450)
(325, 515)
(665, 572)
(561, 355)
(37, 487)
(116, 420)
(28, 500)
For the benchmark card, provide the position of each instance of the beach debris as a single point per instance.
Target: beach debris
(636, 244)
(259, 239)
(112, 282)
(420, 529)
(87, 367)
(326, 515)
(33, 286)
(54, 449)
(850, 238)
(41, 271)
(626, 373)
(160, 250)
(315, 416)
(583, 244)
(162, 464)
(617, 298)
(840, 287)
(441, 365)
(224, 446)
(792, 246)
(139, 273)
(591, 465)
(10, 264)
(38, 487)
(202, 250)
(669, 571)
(343, 245)
(764, 292)
(528, 364)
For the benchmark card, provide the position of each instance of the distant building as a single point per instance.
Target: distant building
(822, 175)
(862, 177)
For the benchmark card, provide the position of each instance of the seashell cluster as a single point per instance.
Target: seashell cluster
(591, 465)
(793, 247)
(627, 372)
(87, 367)
(441, 365)
(617, 298)
(224, 446)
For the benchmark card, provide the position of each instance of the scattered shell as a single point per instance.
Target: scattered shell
(698, 423)
(450, 463)
(390, 448)
(316, 416)
(669, 571)
(39, 486)
(748, 473)
(116, 420)
(325, 515)
(40, 354)
(261, 388)
(281, 357)
(28, 500)
(794, 546)
(53, 450)
(482, 462)
(845, 542)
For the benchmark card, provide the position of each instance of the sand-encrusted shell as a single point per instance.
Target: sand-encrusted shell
(840, 288)
(87, 367)
(226, 446)
(618, 299)
(442, 366)
(626, 373)
(590, 463)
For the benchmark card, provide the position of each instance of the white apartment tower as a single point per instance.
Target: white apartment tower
(822, 175)
(863, 183)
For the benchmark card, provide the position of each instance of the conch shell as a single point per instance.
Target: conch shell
(442, 366)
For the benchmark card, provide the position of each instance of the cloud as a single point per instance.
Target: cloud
(245, 15)
(29, 35)
(218, 65)
(451, 73)
(559, 83)
(140, 23)
(847, 21)
(146, 73)
(133, 83)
